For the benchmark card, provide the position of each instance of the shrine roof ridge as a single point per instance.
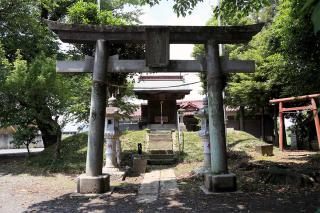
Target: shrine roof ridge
(136, 33)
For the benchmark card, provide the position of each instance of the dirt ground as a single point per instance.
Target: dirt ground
(25, 190)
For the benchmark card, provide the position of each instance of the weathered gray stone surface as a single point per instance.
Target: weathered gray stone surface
(149, 189)
(139, 165)
(93, 184)
(157, 183)
(127, 66)
(177, 34)
(220, 183)
(94, 160)
(215, 82)
(265, 149)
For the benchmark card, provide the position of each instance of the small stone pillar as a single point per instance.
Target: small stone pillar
(112, 141)
(181, 128)
(181, 125)
(204, 134)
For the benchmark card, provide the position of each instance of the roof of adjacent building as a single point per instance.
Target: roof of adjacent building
(8, 130)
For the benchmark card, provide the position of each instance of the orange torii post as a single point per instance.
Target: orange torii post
(312, 106)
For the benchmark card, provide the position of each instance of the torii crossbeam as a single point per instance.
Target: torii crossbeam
(157, 40)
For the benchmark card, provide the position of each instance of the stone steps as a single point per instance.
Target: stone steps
(160, 137)
(161, 161)
(160, 148)
(161, 156)
(161, 152)
(157, 127)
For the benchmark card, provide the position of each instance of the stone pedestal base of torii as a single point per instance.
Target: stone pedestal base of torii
(157, 40)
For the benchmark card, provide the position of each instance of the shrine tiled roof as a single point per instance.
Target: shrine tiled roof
(162, 83)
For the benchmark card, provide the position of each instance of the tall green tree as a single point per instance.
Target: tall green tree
(30, 90)
(230, 9)
(33, 94)
(21, 28)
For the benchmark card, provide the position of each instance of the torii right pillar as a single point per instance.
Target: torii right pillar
(219, 179)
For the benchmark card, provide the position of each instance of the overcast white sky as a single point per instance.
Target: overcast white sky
(163, 14)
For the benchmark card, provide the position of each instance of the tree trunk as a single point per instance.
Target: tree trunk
(241, 118)
(28, 149)
(262, 125)
(59, 135)
(48, 137)
(49, 128)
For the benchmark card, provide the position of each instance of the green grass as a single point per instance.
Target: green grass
(193, 151)
(241, 141)
(236, 141)
(130, 140)
(129, 143)
(72, 158)
(74, 149)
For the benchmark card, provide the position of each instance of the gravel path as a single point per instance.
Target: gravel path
(18, 192)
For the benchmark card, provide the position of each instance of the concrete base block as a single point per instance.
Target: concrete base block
(265, 149)
(220, 183)
(139, 165)
(93, 184)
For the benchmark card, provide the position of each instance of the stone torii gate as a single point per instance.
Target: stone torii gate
(157, 40)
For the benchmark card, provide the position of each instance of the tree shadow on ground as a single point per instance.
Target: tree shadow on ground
(189, 199)
(230, 145)
(265, 175)
(121, 199)
(17, 165)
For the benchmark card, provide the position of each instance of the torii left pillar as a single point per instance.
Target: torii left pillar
(93, 181)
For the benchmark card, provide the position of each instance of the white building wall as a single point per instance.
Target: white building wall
(5, 142)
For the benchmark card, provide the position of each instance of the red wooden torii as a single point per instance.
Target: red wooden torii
(312, 106)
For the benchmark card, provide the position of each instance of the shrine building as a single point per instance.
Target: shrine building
(161, 93)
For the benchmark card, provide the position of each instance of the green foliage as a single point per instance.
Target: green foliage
(180, 7)
(84, 12)
(228, 8)
(57, 9)
(30, 90)
(5, 66)
(25, 136)
(313, 6)
(234, 10)
(88, 13)
(32, 94)
(21, 28)
(286, 56)
(316, 17)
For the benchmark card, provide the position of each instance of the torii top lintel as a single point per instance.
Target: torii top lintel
(77, 33)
